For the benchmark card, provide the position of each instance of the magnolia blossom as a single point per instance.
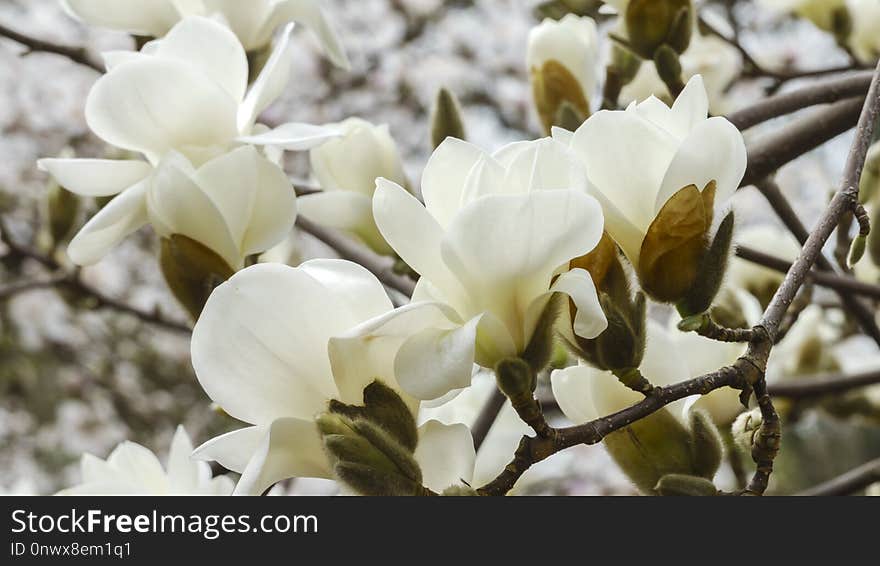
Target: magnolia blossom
(185, 94)
(237, 204)
(820, 12)
(268, 350)
(639, 158)
(492, 243)
(708, 56)
(562, 57)
(132, 469)
(347, 169)
(253, 21)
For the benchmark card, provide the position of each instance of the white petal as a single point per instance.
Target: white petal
(292, 136)
(414, 234)
(590, 320)
(123, 215)
(153, 105)
(95, 177)
(260, 346)
(233, 450)
(185, 475)
(113, 59)
(140, 466)
(626, 158)
(369, 351)
(353, 285)
(572, 389)
(291, 448)
(269, 84)
(444, 177)
(445, 454)
(344, 210)
(309, 13)
(176, 204)
(140, 17)
(522, 240)
(230, 182)
(274, 211)
(715, 151)
(545, 164)
(245, 18)
(211, 48)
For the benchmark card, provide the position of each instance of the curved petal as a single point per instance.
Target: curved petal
(95, 177)
(269, 84)
(139, 466)
(230, 181)
(370, 350)
(260, 346)
(414, 234)
(353, 286)
(291, 448)
(589, 321)
(153, 105)
(309, 13)
(176, 204)
(344, 210)
(714, 151)
(233, 450)
(211, 48)
(274, 211)
(626, 158)
(546, 164)
(292, 136)
(446, 455)
(245, 18)
(444, 177)
(123, 215)
(140, 17)
(523, 240)
(572, 389)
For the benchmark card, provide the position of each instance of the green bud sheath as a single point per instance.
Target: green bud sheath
(368, 481)
(856, 250)
(63, 208)
(446, 120)
(541, 346)
(652, 23)
(384, 442)
(679, 485)
(516, 378)
(383, 406)
(192, 271)
(702, 293)
(708, 448)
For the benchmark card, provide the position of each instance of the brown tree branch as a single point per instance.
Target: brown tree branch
(78, 55)
(822, 385)
(851, 482)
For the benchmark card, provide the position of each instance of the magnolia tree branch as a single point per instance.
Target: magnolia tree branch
(851, 482)
(748, 372)
(820, 386)
(71, 280)
(78, 55)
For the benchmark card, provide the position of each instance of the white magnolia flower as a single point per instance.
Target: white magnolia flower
(562, 58)
(639, 158)
(489, 243)
(237, 204)
(186, 93)
(253, 21)
(347, 169)
(267, 350)
(132, 469)
(708, 56)
(820, 12)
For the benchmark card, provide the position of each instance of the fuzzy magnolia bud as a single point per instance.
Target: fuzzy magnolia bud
(516, 378)
(372, 446)
(192, 271)
(651, 24)
(744, 429)
(561, 60)
(673, 485)
(542, 345)
(856, 250)
(446, 120)
(708, 448)
(713, 266)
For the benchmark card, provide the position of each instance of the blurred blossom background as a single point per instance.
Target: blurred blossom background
(76, 379)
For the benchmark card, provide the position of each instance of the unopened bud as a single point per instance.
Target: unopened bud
(856, 250)
(744, 429)
(651, 24)
(708, 448)
(679, 485)
(192, 271)
(516, 378)
(446, 120)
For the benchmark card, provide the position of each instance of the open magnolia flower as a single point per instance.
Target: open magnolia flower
(492, 243)
(264, 350)
(672, 440)
(132, 469)
(237, 204)
(347, 169)
(253, 21)
(186, 93)
(662, 175)
(561, 59)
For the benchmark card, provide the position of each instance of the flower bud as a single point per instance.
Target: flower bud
(856, 250)
(870, 180)
(744, 429)
(540, 348)
(672, 485)
(516, 378)
(708, 448)
(192, 271)
(63, 207)
(446, 120)
(651, 24)
(459, 491)
(383, 406)
(712, 268)
(562, 59)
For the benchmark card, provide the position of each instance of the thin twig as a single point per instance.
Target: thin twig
(822, 385)
(78, 55)
(851, 482)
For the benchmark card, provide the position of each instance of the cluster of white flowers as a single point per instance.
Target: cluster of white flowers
(496, 240)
